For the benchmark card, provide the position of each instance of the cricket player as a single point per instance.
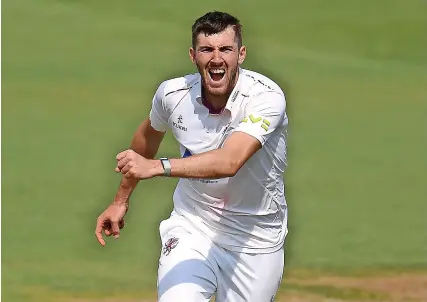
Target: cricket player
(226, 233)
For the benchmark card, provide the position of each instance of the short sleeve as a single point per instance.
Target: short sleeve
(158, 114)
(264, 113)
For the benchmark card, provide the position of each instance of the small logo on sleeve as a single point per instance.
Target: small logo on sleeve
(257, 120)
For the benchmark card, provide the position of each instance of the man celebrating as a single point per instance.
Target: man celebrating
(226, 233)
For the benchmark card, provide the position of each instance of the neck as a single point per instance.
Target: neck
(214, 102)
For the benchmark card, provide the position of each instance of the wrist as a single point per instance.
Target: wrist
(157, 169)
(121, 203)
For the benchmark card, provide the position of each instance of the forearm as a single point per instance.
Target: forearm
(208, 165)
(219, 163)
(125, 190)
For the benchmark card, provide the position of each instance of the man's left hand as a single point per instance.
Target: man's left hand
(133, 165)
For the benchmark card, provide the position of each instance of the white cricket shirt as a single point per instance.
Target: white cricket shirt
(247, 212)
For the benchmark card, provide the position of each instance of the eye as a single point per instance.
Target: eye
(226, 49)
(205, 49)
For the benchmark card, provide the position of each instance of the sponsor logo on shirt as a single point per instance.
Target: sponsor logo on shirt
(235, 94)
(206, 181)
(178, 124)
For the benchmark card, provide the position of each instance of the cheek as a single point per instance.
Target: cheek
(201, 61)
(232, 60)
(232, 67)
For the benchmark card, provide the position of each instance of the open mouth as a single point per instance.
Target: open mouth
(216, 74)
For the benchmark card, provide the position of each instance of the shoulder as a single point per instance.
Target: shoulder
(175, 86)
(263, 93)
(258, 83)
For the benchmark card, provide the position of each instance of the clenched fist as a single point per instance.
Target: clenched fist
(133, 165)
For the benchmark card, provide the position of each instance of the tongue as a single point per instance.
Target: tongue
(217, 76)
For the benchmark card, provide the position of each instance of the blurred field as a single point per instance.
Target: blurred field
(78, 77)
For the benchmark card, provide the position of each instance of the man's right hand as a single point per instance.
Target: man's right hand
(111, 221)
(146, 142)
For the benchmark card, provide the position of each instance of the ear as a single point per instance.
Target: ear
(192, 54)
(242, 54)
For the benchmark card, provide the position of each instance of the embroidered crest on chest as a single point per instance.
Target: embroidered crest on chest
(178, 123)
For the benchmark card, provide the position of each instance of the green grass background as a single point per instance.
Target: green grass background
(78, 77)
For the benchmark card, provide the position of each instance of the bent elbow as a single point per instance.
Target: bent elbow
(233, 167)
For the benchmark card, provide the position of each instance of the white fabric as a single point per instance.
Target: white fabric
(247, 212)
(195, 269)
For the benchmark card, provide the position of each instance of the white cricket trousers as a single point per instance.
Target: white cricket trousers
(193, 269)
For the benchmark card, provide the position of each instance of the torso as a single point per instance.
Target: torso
(233, 212)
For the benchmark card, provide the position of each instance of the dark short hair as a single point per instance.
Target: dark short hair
(216, 22)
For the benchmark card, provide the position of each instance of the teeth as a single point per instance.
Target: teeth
(217, 71)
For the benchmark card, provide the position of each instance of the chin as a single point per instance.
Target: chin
(217, 91)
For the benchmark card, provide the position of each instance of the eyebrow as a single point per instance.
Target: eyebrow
(220, 47)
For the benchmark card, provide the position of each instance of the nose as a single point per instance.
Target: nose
(216, 57)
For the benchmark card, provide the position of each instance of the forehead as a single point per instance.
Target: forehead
(226, 37)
